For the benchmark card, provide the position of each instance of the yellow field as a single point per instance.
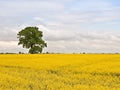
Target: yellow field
(60, 72)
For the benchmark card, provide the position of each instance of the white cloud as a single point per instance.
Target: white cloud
(73, 41)
(11, 47)
(70, 41)
(20, 8)
(38, 19)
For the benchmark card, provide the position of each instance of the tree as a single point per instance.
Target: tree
(31, 38)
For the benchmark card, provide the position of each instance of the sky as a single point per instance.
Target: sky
(69, 26)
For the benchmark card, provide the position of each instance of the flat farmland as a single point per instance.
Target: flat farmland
(60, 72)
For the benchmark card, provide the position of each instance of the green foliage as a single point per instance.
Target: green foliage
(31, 38)
(35, 49)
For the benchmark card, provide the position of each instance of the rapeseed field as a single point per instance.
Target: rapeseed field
(60, 72)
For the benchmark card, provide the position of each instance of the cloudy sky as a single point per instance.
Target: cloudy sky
(68, 25)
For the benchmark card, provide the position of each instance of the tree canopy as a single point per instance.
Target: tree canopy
(31, 38)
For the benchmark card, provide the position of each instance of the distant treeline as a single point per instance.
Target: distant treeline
(58, 53)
